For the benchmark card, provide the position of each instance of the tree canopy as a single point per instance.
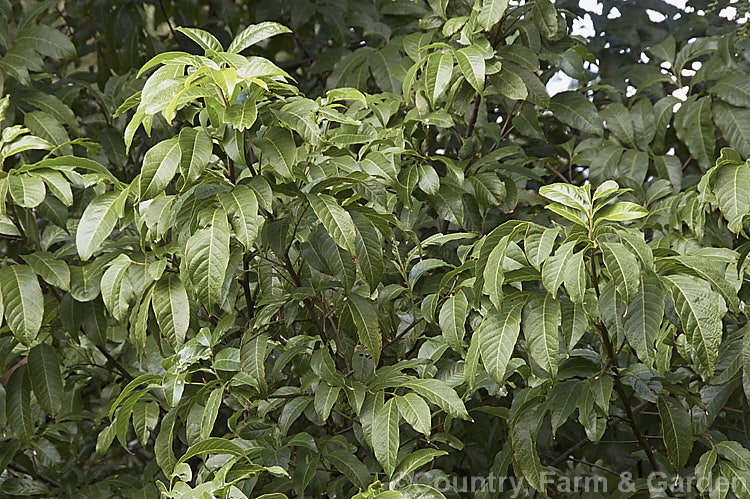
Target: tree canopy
(386, 248)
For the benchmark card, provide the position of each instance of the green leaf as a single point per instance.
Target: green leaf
(642, 321)
(97, 222)
(207, 258)
(441, 395)
(54, 272)
(385, 436)
(115, 298)
(554, 268)
(23, 301)
(539, 243)
(195, 152)
(212, 446)
(18, 405)
(46, 40)
(325, 397)
(415, 460)
(452, 318)
(619, 122)
(416, 412)
(256, 33)
(279, 151)
(491, 13)
(471, 62)
(545, 17)
(365, 317)
(701, 311)
(44, 372)
(733, 88)
(253, 354)
(368, 250)
(574, 109)
(567, 195)
(694, 126)
(509, 84)
(57, 185)
(336, 220)
(241, 115)
(145, 419)
(202, 38)
(622, 211)
(498, 334)
(575, 276)
(732, 190)
(437, 73)
(27, 190)
(241, 205)
(703, 473)
(493, 272)
(348, 464)
(734, 123)
(171, 308)
(540, 318)
(677, 429)
(159, 167)
(623, 268)
(211, 411)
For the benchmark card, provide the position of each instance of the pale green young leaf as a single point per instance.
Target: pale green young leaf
(437, 73)
(575, 276)
(491, 13)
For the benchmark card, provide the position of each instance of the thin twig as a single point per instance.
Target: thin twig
(116, 364)
(169, 23)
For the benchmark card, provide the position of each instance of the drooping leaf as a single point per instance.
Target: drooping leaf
(207, 257)
(701, 311)
(574, 109)
(644, 316)
(97, 222)
(336, 220)
(46, 379)
(171, 307)
(540, 318)
(452, 317)
(23, 302)
(623, 267)
(364, 315)
(471, 62)
(497, 339)
(159, 167)
(677, 430)
(385, 436)
(416, 412)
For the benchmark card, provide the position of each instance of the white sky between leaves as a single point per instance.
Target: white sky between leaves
(584, 27)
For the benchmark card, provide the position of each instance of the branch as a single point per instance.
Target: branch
(474, 113)
(575, 448)
(115, 363)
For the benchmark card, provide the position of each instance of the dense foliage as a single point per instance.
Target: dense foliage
(291, 248)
